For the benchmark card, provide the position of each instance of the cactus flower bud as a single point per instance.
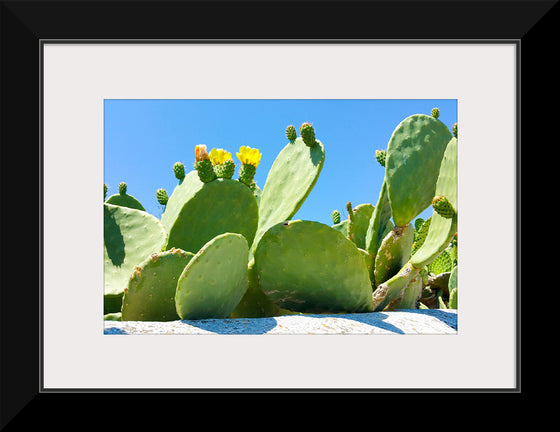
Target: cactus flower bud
(104, 191)
(291, 133)
(335, 217)
(455, 130)
(307, 134)
(443, 207)
(179, 170)
(435, 112)
(381, 156)
(161, 196)
(205, 170)
(122, 188)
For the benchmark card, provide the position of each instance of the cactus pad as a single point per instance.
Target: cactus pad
(393, 253)
(307, 266)
(290, 180)
(379, 223)
(150, 294)
(197, 212)
(215, 279)
(342, 227)
(414, 155)
(443, 263)
(358, 224)
(441, 230)
(130, 236)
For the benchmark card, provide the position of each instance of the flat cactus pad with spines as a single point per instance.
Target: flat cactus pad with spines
(290, 180)
(150, 294)
(130, 236)
(307, 266)
(215, 279)
(358, 226)
(393, 253)
(197, 212)
(441, 230)
(125, 200)
(414, 155)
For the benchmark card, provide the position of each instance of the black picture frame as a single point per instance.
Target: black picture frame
(26, 25)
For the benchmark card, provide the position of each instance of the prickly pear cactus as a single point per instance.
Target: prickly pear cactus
(414, 155)
(124, 200)
(307, 134)
(130, 236)
(255, 304)
(179, 170)
(443, 207)
(441, 230)
(381, 156)
(393, 253)
(197, 212)
(214, 281)
(150, 293)
(358, 223)
(161, 196)
(290, 180)
(379, 223)
(335, 217)
(307, 266)
(291, 133)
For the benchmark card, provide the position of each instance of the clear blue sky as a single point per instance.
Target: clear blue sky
(144, 138)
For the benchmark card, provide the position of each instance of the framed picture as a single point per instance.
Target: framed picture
(68, 76)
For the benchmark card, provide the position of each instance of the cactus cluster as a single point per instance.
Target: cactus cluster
(225, 248)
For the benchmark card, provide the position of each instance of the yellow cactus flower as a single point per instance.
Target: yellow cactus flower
(219, 156)
(249, 156)
(201, 153)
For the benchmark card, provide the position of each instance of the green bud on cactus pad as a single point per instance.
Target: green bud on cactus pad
(247, 173)
(161, 196)
(435, 112)
(225, 170)
(307, 134)
(205, 171)
(291, 133)
(104, 191)
(122, 188)
(381, 155)
(335, 216)
(443, 207)
(454, 130)
(179, 170)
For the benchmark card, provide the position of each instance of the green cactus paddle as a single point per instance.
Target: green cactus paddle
(150, 294)
(196, 212)
(215, 279)
(307, 266)
(290, 180)
(414, 155)
(130, 236)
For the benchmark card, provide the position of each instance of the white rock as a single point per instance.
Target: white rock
(412, 321)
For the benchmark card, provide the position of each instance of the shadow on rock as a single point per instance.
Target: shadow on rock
(238, 326)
